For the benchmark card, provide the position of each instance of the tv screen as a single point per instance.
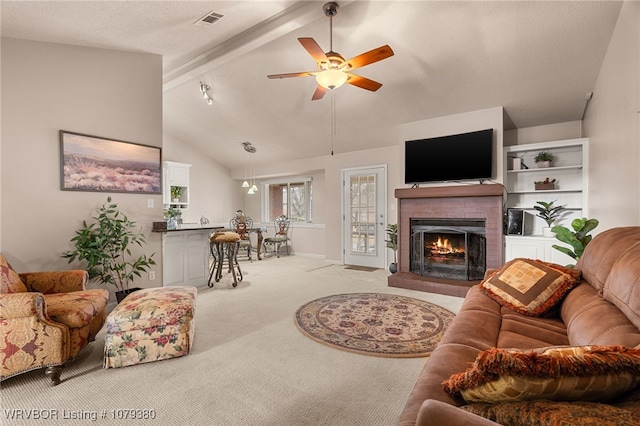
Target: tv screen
(466, 156)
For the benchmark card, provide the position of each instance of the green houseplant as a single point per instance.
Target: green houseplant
(176, 191)
(577, 239)
(548, 212)
(173, 215)
(106, 247)
(543, 159)
(392, 243)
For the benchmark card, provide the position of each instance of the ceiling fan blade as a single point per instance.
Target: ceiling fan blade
(313, 48)
(319, 93)
(363, 82)
(375, 55)
(293, 74)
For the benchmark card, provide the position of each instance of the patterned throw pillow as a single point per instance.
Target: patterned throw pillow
(530, 287)
(553, 413)
(561, 373)
(11, 282)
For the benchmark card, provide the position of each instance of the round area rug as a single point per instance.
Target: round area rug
(375, 324)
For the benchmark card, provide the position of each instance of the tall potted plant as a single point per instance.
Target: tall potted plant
(106, 247)
(577, 239)
(392, 243)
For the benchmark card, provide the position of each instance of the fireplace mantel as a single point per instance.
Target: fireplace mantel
(480, 201)
(485, 190)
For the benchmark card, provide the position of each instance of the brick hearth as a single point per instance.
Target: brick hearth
(464, 201)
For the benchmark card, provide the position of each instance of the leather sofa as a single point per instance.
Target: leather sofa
(46, 318)
(603, 309)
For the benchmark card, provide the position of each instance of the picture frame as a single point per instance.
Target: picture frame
(94, 163)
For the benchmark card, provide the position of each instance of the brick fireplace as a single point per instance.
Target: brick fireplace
(481, 203)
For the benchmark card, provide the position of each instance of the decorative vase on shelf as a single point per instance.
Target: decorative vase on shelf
(543, 164)
(393, 268)
(176, 200)
(547, 232)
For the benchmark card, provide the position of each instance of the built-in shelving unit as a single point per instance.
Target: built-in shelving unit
(175, 175)
(570, 171)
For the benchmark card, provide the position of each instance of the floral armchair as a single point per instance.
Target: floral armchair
(46, 318)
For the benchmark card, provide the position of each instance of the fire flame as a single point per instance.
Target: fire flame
(443, 246)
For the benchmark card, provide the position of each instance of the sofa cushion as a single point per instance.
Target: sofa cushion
(622, 287)
(530, 287)
(78, 308)
(11, 282)
(591, 320)
(603, 253)
(553, 413)
(587, 373)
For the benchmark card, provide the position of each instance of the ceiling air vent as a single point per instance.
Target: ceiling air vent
(208, 19)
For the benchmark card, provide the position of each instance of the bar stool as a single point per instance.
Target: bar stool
(224, 249)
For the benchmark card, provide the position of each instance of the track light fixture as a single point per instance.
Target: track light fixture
(204, 89)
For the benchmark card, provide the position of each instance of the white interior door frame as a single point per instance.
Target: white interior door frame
(374, 255)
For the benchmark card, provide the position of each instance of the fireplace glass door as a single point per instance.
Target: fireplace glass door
(448, 252)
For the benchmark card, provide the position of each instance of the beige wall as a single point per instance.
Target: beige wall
(212, 192)
(48, 87)
(325, 237)
(546, 133)
(612, 124)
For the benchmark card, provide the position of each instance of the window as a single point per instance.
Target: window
(290, 198)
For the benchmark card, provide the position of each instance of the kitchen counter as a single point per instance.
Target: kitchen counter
(185, 255)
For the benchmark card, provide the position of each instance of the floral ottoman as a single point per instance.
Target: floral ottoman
(150, 325)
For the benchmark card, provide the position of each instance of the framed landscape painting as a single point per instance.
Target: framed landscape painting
(92, 163)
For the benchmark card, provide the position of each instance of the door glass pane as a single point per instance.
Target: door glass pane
(363, 214)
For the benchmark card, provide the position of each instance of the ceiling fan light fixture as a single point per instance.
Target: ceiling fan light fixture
(331, 78)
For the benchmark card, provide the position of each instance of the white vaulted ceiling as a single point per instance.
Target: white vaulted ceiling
(537, 59)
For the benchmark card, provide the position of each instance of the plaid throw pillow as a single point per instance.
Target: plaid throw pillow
(530, 287)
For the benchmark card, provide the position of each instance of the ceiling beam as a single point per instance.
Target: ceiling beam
(290, 19)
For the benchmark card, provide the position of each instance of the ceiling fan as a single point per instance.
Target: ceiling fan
(334, 71)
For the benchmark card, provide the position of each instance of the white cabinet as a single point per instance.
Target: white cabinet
(176, 177)
(185, 258)
(570, 171)
(535, 248)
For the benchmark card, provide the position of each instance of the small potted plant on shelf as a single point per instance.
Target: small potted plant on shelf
(548, 212)
(173, 216)
(106, 246)
(176, 191)
(577, 239)
(545, 185)
(392, 243)
(543, 159)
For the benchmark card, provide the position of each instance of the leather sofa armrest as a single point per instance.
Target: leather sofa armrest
(435, 412)
(21, 305)
(55, 282)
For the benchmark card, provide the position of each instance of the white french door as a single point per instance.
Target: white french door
(364, 216)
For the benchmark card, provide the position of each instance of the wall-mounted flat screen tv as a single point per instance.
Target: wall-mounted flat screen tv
(466, 156)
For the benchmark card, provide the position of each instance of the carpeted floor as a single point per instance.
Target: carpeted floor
(249, 364)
